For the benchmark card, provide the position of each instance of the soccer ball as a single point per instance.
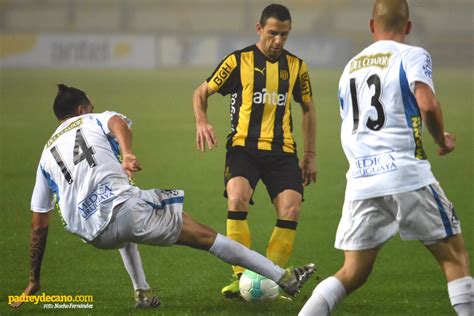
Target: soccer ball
(254, 287)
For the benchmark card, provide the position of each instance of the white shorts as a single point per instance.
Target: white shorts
(424, 214)
(152, 217)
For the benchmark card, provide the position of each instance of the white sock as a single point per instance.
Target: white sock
(133, 265)
(316, 305)
(326, 296)
(461, 295)
(236, 254)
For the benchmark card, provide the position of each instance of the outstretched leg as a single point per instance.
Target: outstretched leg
(199, 236)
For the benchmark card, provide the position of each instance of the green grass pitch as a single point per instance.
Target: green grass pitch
(405, 281)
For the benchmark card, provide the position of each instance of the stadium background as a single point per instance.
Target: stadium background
(144, 58)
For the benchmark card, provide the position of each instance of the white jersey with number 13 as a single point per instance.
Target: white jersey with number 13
(382, 129)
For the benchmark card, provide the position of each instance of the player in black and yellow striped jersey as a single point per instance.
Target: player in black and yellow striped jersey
(261, 89)
(261, 80)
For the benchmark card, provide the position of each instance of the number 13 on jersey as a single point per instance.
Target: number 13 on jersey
(374, 124)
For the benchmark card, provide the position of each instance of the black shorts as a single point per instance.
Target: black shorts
(278, 171)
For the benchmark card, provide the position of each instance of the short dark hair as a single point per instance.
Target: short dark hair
(68, 100)
(392, 15)
(277, 11)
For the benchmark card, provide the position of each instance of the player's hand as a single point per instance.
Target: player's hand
(308, 168)
(130, 164)
(31, 289)
(449, 144)
(205, 134)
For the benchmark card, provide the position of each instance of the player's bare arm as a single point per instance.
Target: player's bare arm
(38, 236)
(308, 163)
(123, 134)
(204, 131)
(433, 117)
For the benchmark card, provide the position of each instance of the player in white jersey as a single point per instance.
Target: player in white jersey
(80, 171)
(386, 92)
(68, 149)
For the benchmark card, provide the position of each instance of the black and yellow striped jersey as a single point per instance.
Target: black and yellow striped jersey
(261, 90)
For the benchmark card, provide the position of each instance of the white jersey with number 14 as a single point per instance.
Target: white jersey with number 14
(80, 168)
(381, 131)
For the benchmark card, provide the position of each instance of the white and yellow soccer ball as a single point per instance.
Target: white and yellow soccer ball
(255, 287)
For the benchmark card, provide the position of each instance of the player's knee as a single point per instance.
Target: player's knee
(238, 202)
(290, 212)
